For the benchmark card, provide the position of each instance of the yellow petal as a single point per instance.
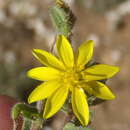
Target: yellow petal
(80, 106)
(55, 102)
(99, 90)
(48, 59)
(99, 72)
(65, 51)
(43, 91)
(85, 53)
(43, 73)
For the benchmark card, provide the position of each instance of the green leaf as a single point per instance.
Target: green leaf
(71, 126)
(27, 124)
(63, 19)
(85, 128)
(26, 117)
(25, 110)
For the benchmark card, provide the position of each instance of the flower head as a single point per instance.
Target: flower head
(68, 74)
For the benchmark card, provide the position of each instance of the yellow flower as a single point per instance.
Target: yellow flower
(68, 74)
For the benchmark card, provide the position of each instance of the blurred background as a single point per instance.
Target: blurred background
(25, 24)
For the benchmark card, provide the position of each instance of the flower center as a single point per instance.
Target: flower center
(72, 77)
